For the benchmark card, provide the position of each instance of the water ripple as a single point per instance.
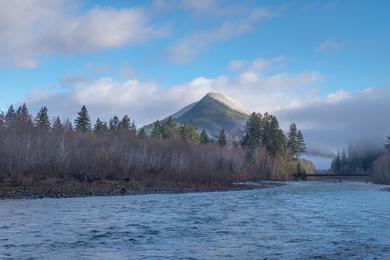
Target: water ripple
(300, 220)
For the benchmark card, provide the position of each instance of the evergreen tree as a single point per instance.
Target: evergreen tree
(2, 119)
(156, 130)
(68, 125)
(100, 127)
(169, 128)
(273, 137)
(57, 124)
(22, 119)
(301, 143)
(133, 128)
(253, 131)
(292, 141)
(125, 123)
(189, 133)
(358, 158)
(343, 162)
(114, 124)
(344, 158)
(336, 163)
(295, 142)
(142, 133)
(204, 138)
(222, 138)
(82, 122)
(11, 114)
(42, 119)
(23, 115)
(263, 130)
(253, 135)
(387, 144)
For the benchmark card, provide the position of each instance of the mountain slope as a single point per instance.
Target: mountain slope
(212, 113)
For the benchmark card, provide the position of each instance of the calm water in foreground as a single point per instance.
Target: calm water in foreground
(299, 220)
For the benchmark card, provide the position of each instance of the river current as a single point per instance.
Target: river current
(300, 220)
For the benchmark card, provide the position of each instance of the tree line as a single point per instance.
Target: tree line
(381, 166)
(362, 158)
(357, 159)
(40, 148)
(264, 130)
(259, 130)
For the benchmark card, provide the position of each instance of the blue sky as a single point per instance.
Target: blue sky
(150, 58)
(359, 58)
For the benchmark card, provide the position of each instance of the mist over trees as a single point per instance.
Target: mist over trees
(39, 148)
(357, 159)
(381, 166)
(387, 144)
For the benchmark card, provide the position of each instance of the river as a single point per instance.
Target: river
(298, 220)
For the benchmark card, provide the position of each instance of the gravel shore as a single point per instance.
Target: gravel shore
(55, 188)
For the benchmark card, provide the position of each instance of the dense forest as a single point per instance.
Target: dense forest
(38, 149)
(381, 166)
(361, 158)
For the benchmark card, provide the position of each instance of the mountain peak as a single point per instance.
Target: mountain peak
(226, 101)
(212, 113)
(214, 95)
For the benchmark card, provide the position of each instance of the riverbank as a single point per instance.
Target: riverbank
(59, 188)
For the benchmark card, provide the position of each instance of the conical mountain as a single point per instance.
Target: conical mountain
(212, 113)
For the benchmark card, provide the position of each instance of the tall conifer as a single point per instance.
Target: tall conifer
(204, 138)
(57, 124)
(100, 127)
(125, 123)
(11, 114)
(114, 124)
(222, 138)
(301, 142)
(82, 122)
(42, 119)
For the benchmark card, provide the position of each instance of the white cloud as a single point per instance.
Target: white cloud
(285, 80)
(30, 29)
(72, 80)
(237, 65)
(328, 123)
(337, 96)
(259, 64)
(146, 101)
(184, 50)
(329, 126)
(329, 45)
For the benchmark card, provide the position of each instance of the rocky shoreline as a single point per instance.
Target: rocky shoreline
(61, 189)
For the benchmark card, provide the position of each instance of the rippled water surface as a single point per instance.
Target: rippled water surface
(298, 220)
